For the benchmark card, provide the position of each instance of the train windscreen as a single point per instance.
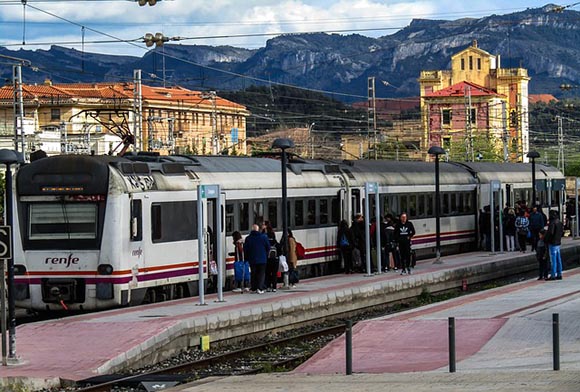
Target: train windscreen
(60, 221)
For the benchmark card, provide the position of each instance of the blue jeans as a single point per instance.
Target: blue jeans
(556, 260)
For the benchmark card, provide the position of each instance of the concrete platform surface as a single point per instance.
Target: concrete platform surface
(503, 338)
(80, 347)
(536, 381)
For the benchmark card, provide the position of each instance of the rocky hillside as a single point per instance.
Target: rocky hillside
(544, 42)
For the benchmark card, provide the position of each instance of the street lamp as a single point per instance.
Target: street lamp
(436, 150)
(10, 157)
(533, 155)
(284, 144)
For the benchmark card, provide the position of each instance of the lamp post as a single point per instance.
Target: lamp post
(436, 151)
(284, 144)
(533, 155)
(10, 157)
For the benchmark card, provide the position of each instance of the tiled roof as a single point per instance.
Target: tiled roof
(463, 89)
(545, 98)
(117, 90)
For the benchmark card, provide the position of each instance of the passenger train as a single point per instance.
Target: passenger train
(96, 232)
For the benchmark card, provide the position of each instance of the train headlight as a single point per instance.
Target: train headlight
(105, 269)
(19, 269)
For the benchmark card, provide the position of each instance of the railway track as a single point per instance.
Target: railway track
(206, 367)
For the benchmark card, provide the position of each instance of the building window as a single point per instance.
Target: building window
(55, 114)
(470, 62)
(463, 64)
(479, 63)
(447, 143)
(446, 116)
(472, 116)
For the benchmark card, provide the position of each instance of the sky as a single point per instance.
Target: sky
(118, 26)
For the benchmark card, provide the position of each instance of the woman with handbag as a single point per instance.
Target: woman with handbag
(241, 266)
(293, 276)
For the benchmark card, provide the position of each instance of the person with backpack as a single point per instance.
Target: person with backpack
(345, 244)
(256, 250)
(273, 262)
(522, 225)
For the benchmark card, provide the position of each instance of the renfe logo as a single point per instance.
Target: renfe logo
(62, 260)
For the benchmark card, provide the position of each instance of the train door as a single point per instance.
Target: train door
(509, 195)
(136, 256)
(214, 238)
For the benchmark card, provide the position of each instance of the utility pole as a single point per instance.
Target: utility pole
(138, 109)
(215, 142)
(372, 114)
(63, 139)
(504, 137)
(469, 145)
(561, 165)
(18, 108)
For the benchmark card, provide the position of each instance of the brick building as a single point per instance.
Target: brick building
(476, 109)
(111, 117)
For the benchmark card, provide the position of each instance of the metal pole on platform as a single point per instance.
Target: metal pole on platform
(367, 230)
(492, 217)
(436, 151)
(500, 217)
(283, 145)
(451, 344)
(556, 340)
(348, 341)
(533, 155)
(577, 219)
(8, 158)
(3, 311)
(200, 245)
(219, 251)
(378, 226)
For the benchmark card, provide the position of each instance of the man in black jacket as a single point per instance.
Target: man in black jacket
(404, 232)
(554, 239)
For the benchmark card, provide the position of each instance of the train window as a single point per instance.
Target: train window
(311, 212)
(461, 202)
(230, 218)
(323, 211)
(430, 203)
(244, 216)
(421, 205)
(453, 204)
(173, 221)
(403, 203)
(299, 213)
(258, 211)
(412, 206)
(393, 203)
(335, 210)
(136, 228)
(445, 203)
(469, 204)
(273, 213)
(59, 221)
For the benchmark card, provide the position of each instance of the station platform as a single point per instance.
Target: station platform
(80, 347)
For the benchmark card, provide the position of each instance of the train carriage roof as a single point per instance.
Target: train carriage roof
(406, 172)
(509, 173)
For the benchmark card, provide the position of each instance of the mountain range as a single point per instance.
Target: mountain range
(545, 42)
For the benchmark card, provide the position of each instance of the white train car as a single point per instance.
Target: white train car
(99, 232)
